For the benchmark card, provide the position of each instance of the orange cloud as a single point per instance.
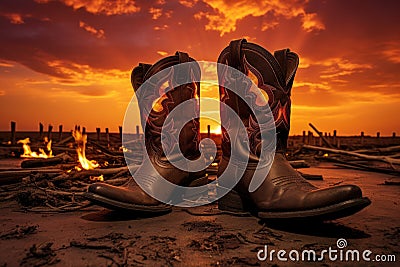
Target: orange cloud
(228, 13)
(269, 25)
(311, 22)
(188, 3)
(392, 53)
(162, 53)
(344, 110)
(84, 75)
(15, 18)
(98, 33)
(159, 28)
(312, 86)
(6, 64)
(335, 67)
(106, 7)
(155, 12)
(342, 67)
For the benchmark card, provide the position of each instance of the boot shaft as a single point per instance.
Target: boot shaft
(156, 100)
(273, 75)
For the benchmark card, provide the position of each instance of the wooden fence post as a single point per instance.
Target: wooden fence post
(98, 134)
(60, 132)
(362, 138)
(13, 128)
(40, 131)
(108, 137)
(49, 132)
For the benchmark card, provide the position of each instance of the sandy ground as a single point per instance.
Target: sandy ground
(99, 237)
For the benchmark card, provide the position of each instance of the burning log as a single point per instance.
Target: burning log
(81, 140)
(43, 162)
(386, 159)
(96, 172)
(28, 152)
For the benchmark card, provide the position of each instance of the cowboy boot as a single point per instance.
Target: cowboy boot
(284, 193)
(156, 171)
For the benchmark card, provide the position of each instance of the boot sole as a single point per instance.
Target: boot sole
(122, 206)
(233, 202)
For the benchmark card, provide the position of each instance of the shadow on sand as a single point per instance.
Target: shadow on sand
(112, 216)
(320, 229)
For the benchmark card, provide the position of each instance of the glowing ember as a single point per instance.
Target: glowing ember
(124, 149)
(80, 140)
(28, 152)
(97, 178)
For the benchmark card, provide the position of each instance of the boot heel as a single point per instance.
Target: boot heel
(233, 202)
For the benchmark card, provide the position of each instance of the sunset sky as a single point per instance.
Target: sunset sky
(69, 61)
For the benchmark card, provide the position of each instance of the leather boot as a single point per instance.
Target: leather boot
(284, 194)
(131, 196)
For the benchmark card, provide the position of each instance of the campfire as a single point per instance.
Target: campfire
(28, 151)
(81, 140)
(54, 177)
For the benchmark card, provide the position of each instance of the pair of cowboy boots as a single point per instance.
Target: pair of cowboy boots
(282, 194)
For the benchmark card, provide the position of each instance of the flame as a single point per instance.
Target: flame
(97, 178)
(124, 149)
(28, 152)
(80, 140)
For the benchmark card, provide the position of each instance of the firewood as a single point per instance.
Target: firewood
(66, 140)
(358, 166)
(34, 163)
(15, 176)
(117, 181)
(379, 150)
(96, 172)
(297, 164)
(105, 150)
(40, 162)
(386, 159)
(321, 135)
(311, 176)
